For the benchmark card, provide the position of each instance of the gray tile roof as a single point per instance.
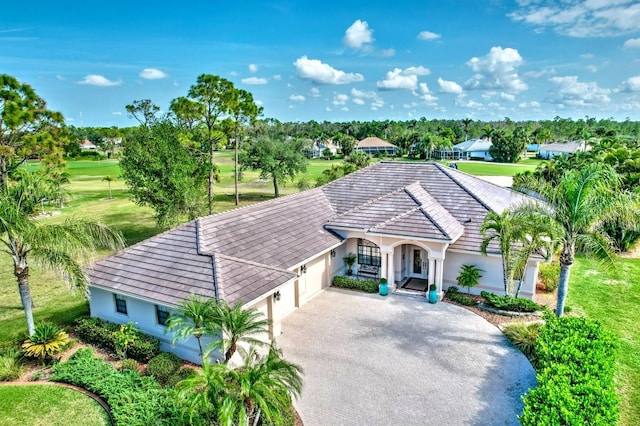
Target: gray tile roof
(242, 254)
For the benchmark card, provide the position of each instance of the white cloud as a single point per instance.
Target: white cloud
(377, 103)
(259, 102)
(425, 94)
(532, 104)
(254, 80)
(358, 35)
(358, 101)
(428, 35)
(462, 101)
(581, 18)
(60, 78)
(632, 43)
(399, 79)
(449, 86)
(497, 70)
(98, 80)
(297, 98)
(631, 84)
(387, 53)
(233, 73)
(569, 91)
(277, 77)
(360, 94)
(586, 56)
(315, 92)
(539, 73)
(592, 68)
(117, 113)
(340, 99)
(320, 73)
(152, 74)
(253, 68)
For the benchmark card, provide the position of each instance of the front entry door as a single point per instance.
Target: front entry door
(418, 266)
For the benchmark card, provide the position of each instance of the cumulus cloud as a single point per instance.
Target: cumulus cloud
(340, 99)
(399, 79)
(233, 73)
(632, 43)
(361, 94)
(449, 86)
(428, 35)
(532, 104)
(463, 102)
(315, 92)
(358, 101)
(297, 98)
(98, 80)
(592, 68)
(377, 104)
(630, 85)
(277, 77)
(497, 70)
(425, 94)
(253, 68)
(254, 80)
(539, 73)
(321, 73)
(152, 74)
(117, 113)
(569, 91)
(581, 18)
(358, 35)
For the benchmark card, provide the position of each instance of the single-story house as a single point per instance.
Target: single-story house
(472, 149)
(550, 150)
(373, 146)
(402, 220)
(317, 149)
(87, 145)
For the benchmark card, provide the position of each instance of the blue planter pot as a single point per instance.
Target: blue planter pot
(433, 296)
(384, 289)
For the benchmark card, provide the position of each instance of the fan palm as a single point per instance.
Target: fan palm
(196, 318)
(240, 325)
(60, 247)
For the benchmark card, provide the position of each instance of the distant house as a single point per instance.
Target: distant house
(472, 149)
(318, 148)
(87, 145)
(550, 150)
(373, 146)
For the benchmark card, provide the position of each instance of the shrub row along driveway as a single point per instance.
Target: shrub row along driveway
(371, 360)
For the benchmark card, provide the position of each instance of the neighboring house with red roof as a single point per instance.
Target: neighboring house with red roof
(404, 220)
(373, 146)
(87, 145)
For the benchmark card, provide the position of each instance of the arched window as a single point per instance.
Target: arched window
(368, 253)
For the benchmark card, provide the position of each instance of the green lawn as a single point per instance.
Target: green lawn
(46, 405)
(479, 168)
(613, 296)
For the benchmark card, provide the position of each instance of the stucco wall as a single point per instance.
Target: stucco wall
(491, 277)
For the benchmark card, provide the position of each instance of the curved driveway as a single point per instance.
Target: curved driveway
(373, 360)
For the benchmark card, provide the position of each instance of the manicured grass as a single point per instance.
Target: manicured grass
(479, 168)
(613, 296)
(45, 405)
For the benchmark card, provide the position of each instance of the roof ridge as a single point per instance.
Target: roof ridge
(432, 220)
(464, 188)
(250, 262)
(396, 217)
(371, 201)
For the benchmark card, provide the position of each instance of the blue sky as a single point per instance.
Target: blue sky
(333, 60)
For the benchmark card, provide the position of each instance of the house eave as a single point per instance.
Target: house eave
(134, 296)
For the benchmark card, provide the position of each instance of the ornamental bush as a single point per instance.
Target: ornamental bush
(134, 400)
(163, 366)
(575, 362)
(368, 286)
(510, 303)
(180, 375)
(523, 336)
(549, 275)
(105, 334)
(453, 295)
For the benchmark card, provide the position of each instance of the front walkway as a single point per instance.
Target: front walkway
(373, 360)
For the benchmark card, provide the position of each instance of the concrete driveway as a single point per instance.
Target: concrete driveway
(398, 360)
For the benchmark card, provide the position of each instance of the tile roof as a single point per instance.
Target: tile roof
(372, 142)
(242, 254)
(473, 145)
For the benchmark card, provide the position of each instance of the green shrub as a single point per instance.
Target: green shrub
(575, 361)
(163, 366)
(11, 366)
(523, 336)
(47, 340)
(469, 276)
(105, 335)
(134, 400)
(368, 286)
(128, 365)
(455, 296)
(180, 375)
(510, 303)
(549, 275)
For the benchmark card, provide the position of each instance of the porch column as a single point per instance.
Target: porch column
(390, 272)
(439, 269)
(383, 263)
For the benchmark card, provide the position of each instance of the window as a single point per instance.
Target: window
(162, 313)
(121, 304)
(368, 254)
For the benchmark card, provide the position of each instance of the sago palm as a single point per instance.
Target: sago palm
(61, 247)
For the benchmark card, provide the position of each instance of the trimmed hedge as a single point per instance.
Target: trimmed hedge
(368, 286)
(454, 295)
(134, 400)
(163, 366)
(101, 333)
(575, 361)
(510, 303)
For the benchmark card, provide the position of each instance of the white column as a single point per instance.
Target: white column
(439, 266)
(391, 275)
(383, 266)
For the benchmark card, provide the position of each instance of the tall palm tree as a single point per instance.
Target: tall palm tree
(196, 318)
(240, 325)
(500, 227)
(61, 247)
(109, 179)
(580, 203)
(466, 125)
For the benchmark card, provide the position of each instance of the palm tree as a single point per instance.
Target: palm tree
(197, 318)
(580, 203)
(500, 227)
(60, 247)
(466, 125)
(240, 325)
(109, 179)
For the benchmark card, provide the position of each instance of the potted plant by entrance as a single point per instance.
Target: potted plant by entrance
(349, 260)
(433, 293)
(383, 287)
